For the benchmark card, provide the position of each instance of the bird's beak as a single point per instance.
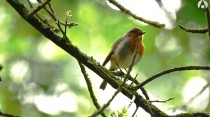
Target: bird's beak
(142, 33)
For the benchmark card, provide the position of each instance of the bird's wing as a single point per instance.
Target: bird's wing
(114, 46)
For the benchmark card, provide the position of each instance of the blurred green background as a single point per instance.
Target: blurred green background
(41, 80)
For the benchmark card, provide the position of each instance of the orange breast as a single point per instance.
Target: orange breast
(134, 41)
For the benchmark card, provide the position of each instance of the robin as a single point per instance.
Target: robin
(123, 50)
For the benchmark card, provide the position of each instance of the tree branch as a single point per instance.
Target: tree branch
(191, 115)
(204, 30)
(38, 8)
(90, 88)
(135, 111)
(162, 101)
(169, 71)
(122, 74)
(123, 9)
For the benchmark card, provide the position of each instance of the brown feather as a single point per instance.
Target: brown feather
(114, 46)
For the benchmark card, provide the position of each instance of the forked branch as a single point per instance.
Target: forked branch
(185, 68)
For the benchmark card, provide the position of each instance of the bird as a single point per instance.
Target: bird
(123, 51)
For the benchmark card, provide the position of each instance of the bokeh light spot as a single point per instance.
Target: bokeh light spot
(19, 71)
(192, 88)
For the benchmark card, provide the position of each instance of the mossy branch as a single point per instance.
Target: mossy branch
(90, 88)
(199, 30)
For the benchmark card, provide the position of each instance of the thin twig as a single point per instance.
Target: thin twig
(52, 15)
(65, 27)
(204, 30)
(60, 28)
(143, 90)
(199, 93)
(90, 88)
(30, 4)
(134, 113)
(120, 86)
(133, 80)
(37, 15)
(51, 8)
(164, 101)
(131, 102)
(123, 9)
(121, 74)
(38, 8)
(63, 32)
(169, 71)
(51, 12)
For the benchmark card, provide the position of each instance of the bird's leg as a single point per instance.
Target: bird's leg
(119, 68)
